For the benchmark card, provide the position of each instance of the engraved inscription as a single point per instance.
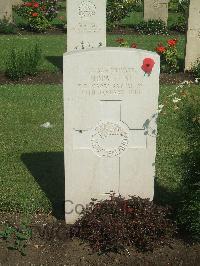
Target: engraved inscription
(110, 81)
(83, 45)
(86, 45)
(87, 9)
(86, 27)
(109, 139)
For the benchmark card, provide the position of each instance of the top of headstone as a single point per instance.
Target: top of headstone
(105, 49)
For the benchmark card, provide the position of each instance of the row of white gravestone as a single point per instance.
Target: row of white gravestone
(158, 9)
(86, 26)
(87, 23)
(110, 107)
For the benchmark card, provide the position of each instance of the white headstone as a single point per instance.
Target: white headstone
(6, 10)
(110, 108)
(17, 2)
(193, 35)
(86, 24)
(156, 10)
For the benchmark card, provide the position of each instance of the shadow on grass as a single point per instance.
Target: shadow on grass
(181, 64)
(165, 197)
(48, 170)
(56, 61)
(190, 161)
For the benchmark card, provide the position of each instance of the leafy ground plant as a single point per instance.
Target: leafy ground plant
(16, 237)
(7, 27)
(117, 10)
(38, 13)
(169, 56)
(188, 212)
(23, 62)
(116, 223)
(180, 25)
(196, 71)
(152, 27)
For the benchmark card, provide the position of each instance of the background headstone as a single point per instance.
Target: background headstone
(86, 24)
(193, 35)
(156, 9)
(17, 2)
(110, 108)
(6, 10)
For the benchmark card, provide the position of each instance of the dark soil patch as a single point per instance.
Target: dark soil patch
(57, 78)
(170, 79)
(50, 245)
(41, 78)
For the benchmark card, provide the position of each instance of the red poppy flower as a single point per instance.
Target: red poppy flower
(34, 14)
(133, 45)
(172, 42)
(36, 5)
(160, 49)
(148, 64)
(120, 40)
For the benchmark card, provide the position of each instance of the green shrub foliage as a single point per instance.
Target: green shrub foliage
(38, 13)
(6, 27)
(196, 71)
(189, 213)
(117, 10)
(180, 25)
(114, 224)
(189, 209)
(23, 62)
(151, 27)
(183, 6)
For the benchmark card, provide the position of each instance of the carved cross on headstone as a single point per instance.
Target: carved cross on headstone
(111, 137)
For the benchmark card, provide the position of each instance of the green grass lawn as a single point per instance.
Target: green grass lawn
(24, 144)
(137, 17)
(54, 46)
(31, 157)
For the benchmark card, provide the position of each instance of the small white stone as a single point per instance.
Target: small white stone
(160, 108)
(46, 125)
(176, 100)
